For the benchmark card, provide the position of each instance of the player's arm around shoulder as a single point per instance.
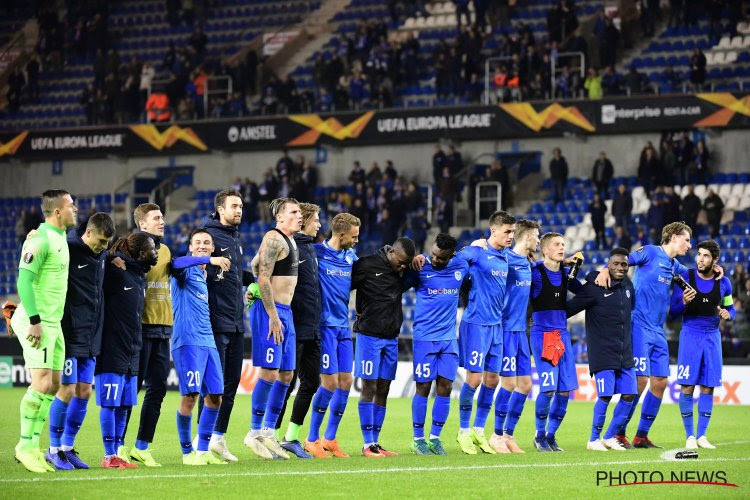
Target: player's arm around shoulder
(585, 298)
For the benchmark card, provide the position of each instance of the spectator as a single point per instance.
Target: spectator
(697, 69)
(691, 207)
(598, 210)
(622, 238)
(267, 191)
(655, 218)
(32, 219)
(641, 238)
(418, 227)
(88, 101)
(601, 175)
(714, 208)
(309, 180)
(611, 82)
(374, 175)
(622, 206)
(667, 160)
(672, 205)
(739, 280)
(250, 199)
(454, 161)
(635, 81)
(593, 84)
(438, 161)
(33, 67)
(390, 172)
(702, 171)
(498, 173)
(357, 175)
(386, 227)
(608, 43)
(16, 83)
(558, 169)
(285, 165)
(683, 157)
(649, 14)
(412, 198)
(648, 169)
(157, 106)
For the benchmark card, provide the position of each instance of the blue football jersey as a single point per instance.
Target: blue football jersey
(335, 277)
(437, 299)
(653, 285)
(192, 324)
(517, 292)
(488, 270)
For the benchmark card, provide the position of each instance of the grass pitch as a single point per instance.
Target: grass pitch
(572, 474)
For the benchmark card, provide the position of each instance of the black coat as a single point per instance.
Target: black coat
(226, 296)
(124, 296)
(306, 303)
(83, 318)
(379, 290)
(622, 205)
(558, 169)
(608, 329)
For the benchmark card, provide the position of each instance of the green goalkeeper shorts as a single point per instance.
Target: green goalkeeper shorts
(51, 351)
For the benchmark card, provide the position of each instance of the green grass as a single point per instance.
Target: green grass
(569, 475)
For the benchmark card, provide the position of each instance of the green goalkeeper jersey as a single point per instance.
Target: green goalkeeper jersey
(46, 255)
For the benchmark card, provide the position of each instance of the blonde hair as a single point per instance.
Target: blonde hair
(139, 214)
(672, 229)
(343, 222)
(308, 210)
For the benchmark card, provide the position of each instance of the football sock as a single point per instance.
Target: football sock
(121, 421)
(206, 426)
(619, 416)
(557, 413)
(320, 403)
(705, 407)
(184, 431)
(649, 410)
(484, 405)
(107, 424)
(418, 415)
(600, 414)
(338, 406)
(624, 428)
(466, 402)
(515, 408)
(686, 410)
(41, 418)
(141, 444)
(30, 405)
(543, 401)
(275, 404)
(292, 432)
(73, 421)
(259, 403)
(365, 421)
(440, 410)
(378, 417)
(501, 409)
(57, 412)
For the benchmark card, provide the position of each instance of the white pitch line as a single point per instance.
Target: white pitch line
(68, 477)
(732, 442)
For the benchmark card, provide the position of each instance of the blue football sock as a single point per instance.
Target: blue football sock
(185, 431)
(543, 401)
(418, 415)
(623, 430)
(57, 413)
(619, 416)
(206, 427)
(275, 404)
(140, 444)
(338, 407)
(600, 415)
(705, 407)
(440, 410)
(366, 417)
(74, 420)
(107, 425)
(502, 401)
(686, 410)
(259, 403)
(484, 405)
(515, 408)
(649, 410)
(320, 402)
(466, 403)
(557, 413)
(378, 417)
(121, 421)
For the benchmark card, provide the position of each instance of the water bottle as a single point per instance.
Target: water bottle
(577, 262)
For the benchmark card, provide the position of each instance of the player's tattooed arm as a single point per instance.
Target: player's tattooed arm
(270, 251)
